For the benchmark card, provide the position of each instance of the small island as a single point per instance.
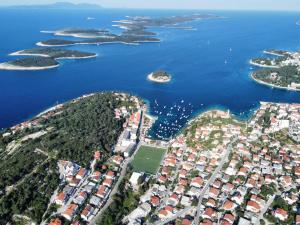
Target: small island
(283, 71)
(42, 58)
(159, 77)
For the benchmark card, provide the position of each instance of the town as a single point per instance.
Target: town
(217, 171)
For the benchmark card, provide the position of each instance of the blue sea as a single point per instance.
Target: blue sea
(206, 73)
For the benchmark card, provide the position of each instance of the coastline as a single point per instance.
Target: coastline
(7, 66)
(97, 43)
(262, 66)
(151, 78)
(40, 43)
(272, 53)
(272, 85)
(21, 53)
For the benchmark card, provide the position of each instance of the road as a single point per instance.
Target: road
(122, 174)
(264, 210)
(211, 180)
(113, 192)
(165, 198)
(202, 193)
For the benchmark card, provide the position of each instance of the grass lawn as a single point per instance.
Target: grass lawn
(147, 159)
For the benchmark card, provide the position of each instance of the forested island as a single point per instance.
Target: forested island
(283, 71)
(30, 151)
(123, 39)
(159, 77)
(42, 58)
(80, 33)
(55, 53)
(135, 31)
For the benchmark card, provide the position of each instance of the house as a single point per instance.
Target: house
(185, 201)
(244, 221)
(61, 198)
(165, 171)
(97, 155)
(243, 171)
(217, 184)
(74, 182)
(211, 203)
(182, 173)
(96, 201)
(206, 222)
(87, 213)
(81, 173)
(186, 222)
(70, 211)
(194, 192)
(173, 200)
(81, 197)
(286, 181)
(110, 175)
(281, 214)
(179, 189)
(135, 180)
(154, 201)
(117, 159)
(56, 221)
(107, 182)
(297, 219)
(213, 192)
(229, 205)
(197, 182)
(209, 213)
(253, 206)
(102, 191)
(165, 212)
(162, 214)
(162, 179)
(229, 217)
(96, 176)
(227, 188)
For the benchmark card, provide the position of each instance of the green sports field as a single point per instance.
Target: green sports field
(147, 159)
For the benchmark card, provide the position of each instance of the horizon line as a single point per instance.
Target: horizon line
(153, 8)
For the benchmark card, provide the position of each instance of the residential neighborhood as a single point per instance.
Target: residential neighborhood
(223, 171)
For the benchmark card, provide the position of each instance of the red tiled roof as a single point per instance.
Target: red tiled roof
(56, 221)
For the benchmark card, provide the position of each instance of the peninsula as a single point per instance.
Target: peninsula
(283, 71)
(37, 154)
(42, 58)
(159, 77)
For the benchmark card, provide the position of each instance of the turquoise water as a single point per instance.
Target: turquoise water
(196, 60)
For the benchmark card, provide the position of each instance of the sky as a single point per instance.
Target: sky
(283, 5)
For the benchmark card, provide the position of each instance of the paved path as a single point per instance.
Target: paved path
(113, 192)
(116, 187)
(264, 210)
(202, 193)
(212, 179)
